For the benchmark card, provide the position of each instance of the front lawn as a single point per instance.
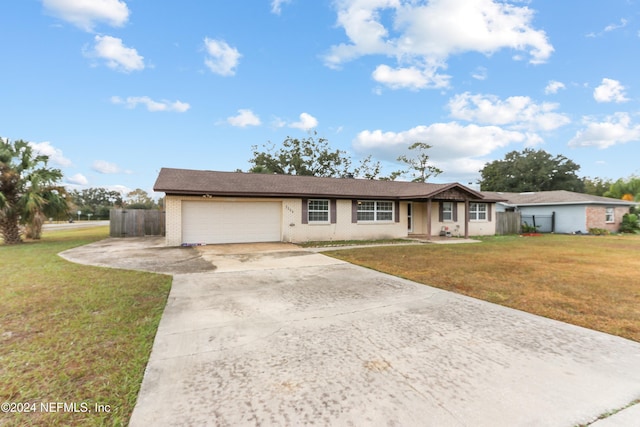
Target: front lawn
(591, 281)
(74, 339)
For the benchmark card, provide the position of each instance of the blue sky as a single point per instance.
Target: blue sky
(113, 90)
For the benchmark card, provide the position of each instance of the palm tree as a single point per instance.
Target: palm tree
(28, 190)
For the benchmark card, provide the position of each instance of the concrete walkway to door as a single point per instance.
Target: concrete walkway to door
(276, 335)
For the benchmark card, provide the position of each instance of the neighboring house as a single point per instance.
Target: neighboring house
(233, 207)
(564, 211)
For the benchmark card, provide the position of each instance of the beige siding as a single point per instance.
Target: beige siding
(295, 231)
(476, 228)
(173, 208)
(292, 228)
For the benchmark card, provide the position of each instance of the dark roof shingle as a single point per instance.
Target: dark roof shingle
(187, 181)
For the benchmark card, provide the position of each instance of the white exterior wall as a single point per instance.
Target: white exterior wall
(569, 218)
(295, 231)
(481, 228)
(173, 220)
(173, 208)
(292, 228)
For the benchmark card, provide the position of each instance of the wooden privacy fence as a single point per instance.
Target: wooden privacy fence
(508, 223)
(136, 223)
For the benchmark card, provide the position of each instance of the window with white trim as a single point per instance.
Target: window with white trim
(375, 211)
(477, 211)
(318, 211)
(610, 215)
(447, 211)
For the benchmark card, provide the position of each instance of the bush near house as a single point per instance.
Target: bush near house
(630, 223)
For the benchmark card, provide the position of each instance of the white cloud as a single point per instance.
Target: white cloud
(409, 78)
(480, 73)
(153, 106)
(307, 121)
(222, 59)
(55, 154)
(516, 112)
(122, 189)
(244, 118)
(86, 13)
(455, 148)
(118, 56)
(276, 6)
(613, 27)
(609, 28)
(277, 122)
(615, 129)
(553, 87)
(423, 36)
(610, 91)
(104, 167)
(78, 179)
(449, 138)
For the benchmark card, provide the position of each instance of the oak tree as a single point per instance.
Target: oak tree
(531, 170)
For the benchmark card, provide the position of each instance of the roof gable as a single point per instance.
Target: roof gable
(186, 181)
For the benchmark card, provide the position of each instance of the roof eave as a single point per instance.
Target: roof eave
(604, 203)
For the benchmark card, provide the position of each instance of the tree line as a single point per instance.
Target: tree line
(97, 202)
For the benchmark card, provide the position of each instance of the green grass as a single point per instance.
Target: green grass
(72, 333)
(591, 281)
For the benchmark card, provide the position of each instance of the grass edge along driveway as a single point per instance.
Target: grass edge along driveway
(590, 281)
(74, 339)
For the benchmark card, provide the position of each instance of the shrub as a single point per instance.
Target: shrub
(526, 228)
(629, 223)
(599, 231)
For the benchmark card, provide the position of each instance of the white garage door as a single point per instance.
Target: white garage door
(225, 222)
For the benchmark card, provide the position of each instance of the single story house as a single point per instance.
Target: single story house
(564, 211)
(233, 207)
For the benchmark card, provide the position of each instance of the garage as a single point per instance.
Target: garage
(231, 222)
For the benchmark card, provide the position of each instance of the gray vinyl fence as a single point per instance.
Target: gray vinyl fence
(136, 222)
(508, 223)
(542, 223)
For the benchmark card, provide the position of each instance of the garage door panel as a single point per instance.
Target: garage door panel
(231, 222)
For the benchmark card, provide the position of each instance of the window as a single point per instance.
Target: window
(477, 211)
(318, 211)
(609, 215)
(375, 211)
(447, 211)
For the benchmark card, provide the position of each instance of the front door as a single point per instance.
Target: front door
(409, 217)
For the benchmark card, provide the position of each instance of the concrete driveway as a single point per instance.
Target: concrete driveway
(276, 335)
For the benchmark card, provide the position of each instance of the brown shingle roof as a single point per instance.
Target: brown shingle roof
(558, 197)
(186, 181)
